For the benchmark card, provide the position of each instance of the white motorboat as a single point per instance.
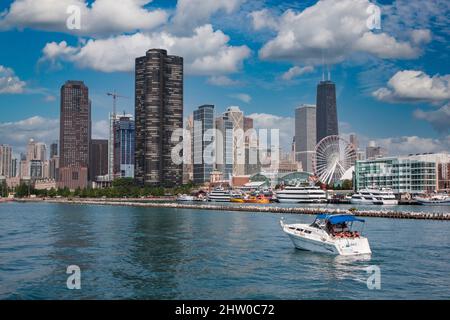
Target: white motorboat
(329, 233)
(219, 195)
(382, 196)
(301, 194)
(185, 197)
(441, 199)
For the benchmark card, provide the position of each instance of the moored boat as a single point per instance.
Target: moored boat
(434, 200)
(219, 195)
(383, 196)
(329, 233)
(185, 197)
(301, 194)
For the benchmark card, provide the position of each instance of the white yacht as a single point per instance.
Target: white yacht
(219, 195)
(329, 233)
(374, 196)
(301, 194)
(439, 199)
(185, 197)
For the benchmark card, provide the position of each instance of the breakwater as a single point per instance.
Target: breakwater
(255, 208)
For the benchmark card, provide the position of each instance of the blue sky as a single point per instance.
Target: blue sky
(393, 83)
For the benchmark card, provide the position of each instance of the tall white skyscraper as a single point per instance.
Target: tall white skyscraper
(305, 135)
(236, 116)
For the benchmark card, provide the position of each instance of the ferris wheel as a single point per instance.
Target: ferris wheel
(333, 157)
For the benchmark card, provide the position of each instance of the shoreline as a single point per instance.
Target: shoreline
(245, 208)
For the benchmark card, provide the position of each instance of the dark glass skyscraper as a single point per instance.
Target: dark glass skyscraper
(203, 121)
(326, 110)
(124, 132)
(158, 112)
(75, 135)
(98, 163)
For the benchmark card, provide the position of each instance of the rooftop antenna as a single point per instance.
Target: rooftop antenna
(323, 67)
(329, 74)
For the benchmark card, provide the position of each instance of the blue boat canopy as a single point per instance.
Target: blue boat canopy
(340, 218)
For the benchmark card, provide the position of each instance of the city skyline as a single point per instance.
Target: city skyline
(268, 85)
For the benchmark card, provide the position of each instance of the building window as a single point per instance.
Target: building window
(74, 175)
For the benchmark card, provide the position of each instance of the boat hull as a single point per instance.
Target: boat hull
(334, 246)
(292, 200)
(434, 203)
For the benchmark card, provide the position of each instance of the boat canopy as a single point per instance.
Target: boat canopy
(340, 218)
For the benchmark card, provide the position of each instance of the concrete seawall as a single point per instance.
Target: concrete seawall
(250, 208)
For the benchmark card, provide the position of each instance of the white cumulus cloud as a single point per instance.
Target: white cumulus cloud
(439, 119)
(18, 133)
(190, 14)
(331, 30)
(285, 125)
(263, 19)
(414, 86)
(9, 82)
(296, 71)
(99, 18)
(205, 52)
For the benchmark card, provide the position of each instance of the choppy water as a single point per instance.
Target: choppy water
(150, 253)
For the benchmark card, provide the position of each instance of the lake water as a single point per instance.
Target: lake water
(148, 253)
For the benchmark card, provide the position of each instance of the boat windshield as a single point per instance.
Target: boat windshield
(337, 225)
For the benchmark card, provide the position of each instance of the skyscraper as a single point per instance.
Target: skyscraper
(236, 116)
(124, 131)
(53, 166)
(203, 121)
(98, 158)
(305, 135)
(14, 164)
(75, 135)
(373, 151)
(224, 146)
(326, 111)
(188, 150)
(5, 160)
(159, 112)
(53, 149)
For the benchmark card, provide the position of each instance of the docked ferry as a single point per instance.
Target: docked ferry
(374, 196)
(301, 194)
(219, 195)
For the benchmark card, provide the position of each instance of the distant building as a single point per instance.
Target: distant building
(204, 137)
(354, 141)
(124, 133)
(36, 169)
(98, 162)
(75, 135)
(53, 168)
(224, 147)
(326, 110)
(53, 149)
(305, 136)
(407, 174)
(373, 151)
(14, 164)
(236, 116)
(159, 112)
(188, 151)
(6, 161)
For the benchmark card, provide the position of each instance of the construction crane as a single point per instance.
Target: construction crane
(115, 96)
